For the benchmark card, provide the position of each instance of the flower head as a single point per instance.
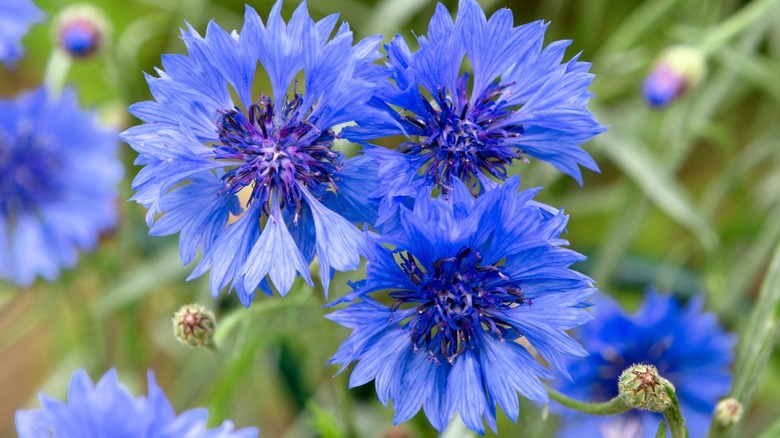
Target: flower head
(467, 279)
(16, 17)
(58, 177)
(641, 387)
(728, 412)
(81, 30)
(678, 69)
(256, 183)
(109, 409)
(194, 325)
(687, 346)
(521, 100)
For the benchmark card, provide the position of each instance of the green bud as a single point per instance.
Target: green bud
(728, 412)
(193, 326)
(641, 387)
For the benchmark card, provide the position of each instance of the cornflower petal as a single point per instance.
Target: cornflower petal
(58, 184)
(16, 17)
(522, 100)
(109, 409)
(687, 345)
(263, 162)
(446, 343)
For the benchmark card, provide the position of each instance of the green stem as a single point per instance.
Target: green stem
(661, 433)
(673, 415)
(734, 25)
(612, 407)
(56, 72)
(758, 339)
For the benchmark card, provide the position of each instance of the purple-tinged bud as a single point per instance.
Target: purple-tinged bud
(641, 387)
(728, 412)
(677, 70)
(81, 30)
(194, 326)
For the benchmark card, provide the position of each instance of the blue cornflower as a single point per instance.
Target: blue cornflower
(58, 176)
(220, 170)
(467, 279)
(687, 345)
(109, 409)
(522, 101)
(16, 17)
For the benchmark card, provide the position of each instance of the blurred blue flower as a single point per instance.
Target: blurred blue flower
(677, 70)
(467, 280)
(16, 17)
(58, 184)
(219, 170)
(82, 30)
(662, 86)
(687, 345)
(108, 409)
(522, 101)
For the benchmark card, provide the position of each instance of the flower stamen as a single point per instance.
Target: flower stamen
(273, 152)
(457, 301)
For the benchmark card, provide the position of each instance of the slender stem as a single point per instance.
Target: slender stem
(758, 340)
(735, 24)
(673, 415)
(661, 433)
(56, 72)
(612, 407)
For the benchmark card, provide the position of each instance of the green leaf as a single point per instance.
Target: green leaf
(324, 422)
(657, 185)
(161, 270)
(758, 338)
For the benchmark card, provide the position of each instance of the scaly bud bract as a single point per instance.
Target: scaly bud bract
(194, 326)
(641, 387)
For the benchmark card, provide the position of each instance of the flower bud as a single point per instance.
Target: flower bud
(728, 412)
(81, 30)
(678, 69)
(641, 387)
(194, 326)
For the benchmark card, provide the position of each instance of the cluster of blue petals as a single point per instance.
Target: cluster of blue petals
(466, 282)
(58, 176)
(255, 184)
(108, 409)
(16, 17)
(687, 345)
(468, 278)
(522, 100)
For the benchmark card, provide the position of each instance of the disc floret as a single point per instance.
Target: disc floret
(456, 301)
(28, 174)
(277, 155)
(461, 140)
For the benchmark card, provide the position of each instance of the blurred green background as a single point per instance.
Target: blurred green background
(688, 200)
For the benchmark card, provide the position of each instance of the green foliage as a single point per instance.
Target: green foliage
(688, 199)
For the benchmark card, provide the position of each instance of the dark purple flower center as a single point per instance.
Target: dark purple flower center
(277, 154)
(458, 140)
(28, 175)
(457, 299)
